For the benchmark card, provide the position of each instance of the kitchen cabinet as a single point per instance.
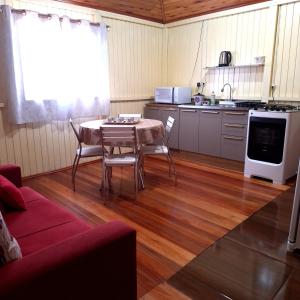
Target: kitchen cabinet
(233, 147)
(152, 113)
(188, 130)
(210, 124)
(234, 132)
(216, 132)
(162, 114)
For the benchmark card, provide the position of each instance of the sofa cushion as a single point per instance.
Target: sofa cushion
(9, 247)
(40, 215)
(10, 194)
(30, 195)
(43, 239)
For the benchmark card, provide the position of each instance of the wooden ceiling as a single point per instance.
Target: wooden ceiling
(162, 11)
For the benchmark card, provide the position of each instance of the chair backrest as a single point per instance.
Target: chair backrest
(168, 128)
(119, 136)
(75, 131)
(130, 115)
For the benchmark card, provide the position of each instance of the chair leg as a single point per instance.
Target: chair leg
(173, 167)
(169, 162)
(74, 170)
(102, 187)
(141, 179)
(136, 178)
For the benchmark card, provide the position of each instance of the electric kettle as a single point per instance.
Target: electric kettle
(225, 59)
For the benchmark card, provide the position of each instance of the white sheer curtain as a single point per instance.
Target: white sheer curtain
(60, 67)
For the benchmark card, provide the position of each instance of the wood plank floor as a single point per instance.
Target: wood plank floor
(250, 262)
(174, 223)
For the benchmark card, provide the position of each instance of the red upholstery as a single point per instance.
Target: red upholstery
(10, 194)
(40, 215)
(43, 239)
(13, 173)
(63, 258)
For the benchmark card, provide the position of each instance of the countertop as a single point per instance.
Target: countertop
(203, 107)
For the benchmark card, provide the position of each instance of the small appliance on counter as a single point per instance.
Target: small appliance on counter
(173, 95)
(225, 59)
(199, 97)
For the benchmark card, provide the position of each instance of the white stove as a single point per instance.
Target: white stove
(273, 143)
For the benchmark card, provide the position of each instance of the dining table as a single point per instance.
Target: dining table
(148, 131)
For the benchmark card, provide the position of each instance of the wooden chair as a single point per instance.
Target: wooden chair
(81, 152)
(163, 148)
(120, 136)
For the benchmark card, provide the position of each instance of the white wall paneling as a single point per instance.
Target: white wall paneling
(135, 59)
(244, 34)
(286, 76)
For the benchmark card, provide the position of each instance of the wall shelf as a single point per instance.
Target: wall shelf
(234, 67)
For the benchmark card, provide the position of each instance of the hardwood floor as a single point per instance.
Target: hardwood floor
(174, 223)
(250, 262)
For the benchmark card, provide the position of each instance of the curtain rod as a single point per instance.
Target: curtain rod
(23, 11)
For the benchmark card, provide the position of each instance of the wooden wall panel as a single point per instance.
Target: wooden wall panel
(287, 54)
(148, 10)
(182, 9)
(135, 59)
(163, 11)
(243, 34)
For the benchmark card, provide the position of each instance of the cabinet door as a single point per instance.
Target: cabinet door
(174, 113)
(233, 147)
(188, 130)
(152, 113)
(235, 117)
(210, 127)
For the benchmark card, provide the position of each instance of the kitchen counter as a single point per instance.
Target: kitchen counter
(203, 107)
(214, 107)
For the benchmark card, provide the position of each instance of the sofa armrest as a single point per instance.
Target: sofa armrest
(12, 173)
(97, 264)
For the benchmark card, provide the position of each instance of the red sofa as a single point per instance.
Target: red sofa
(63, 257)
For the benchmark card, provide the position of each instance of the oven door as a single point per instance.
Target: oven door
(266, 139)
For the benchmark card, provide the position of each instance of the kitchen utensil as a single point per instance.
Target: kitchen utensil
(225, 59)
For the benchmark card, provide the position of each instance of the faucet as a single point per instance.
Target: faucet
(230, 87)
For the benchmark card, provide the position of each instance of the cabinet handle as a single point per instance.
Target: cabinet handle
(234, 138)
(169, 109)
(210, 112)
(235, 113)
(152, 108)
(188, 110)
(234, 125)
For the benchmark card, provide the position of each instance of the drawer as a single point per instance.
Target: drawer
(235, 117)
(233, 147)
(234, 129)
(210, 114)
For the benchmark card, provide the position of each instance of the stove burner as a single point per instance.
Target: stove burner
(249, 104)
(276, 107)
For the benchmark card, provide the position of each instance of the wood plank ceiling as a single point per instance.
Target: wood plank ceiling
(163, 11)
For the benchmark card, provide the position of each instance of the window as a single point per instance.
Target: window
(60, 67)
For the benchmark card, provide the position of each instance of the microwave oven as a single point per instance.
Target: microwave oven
(173, 95)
